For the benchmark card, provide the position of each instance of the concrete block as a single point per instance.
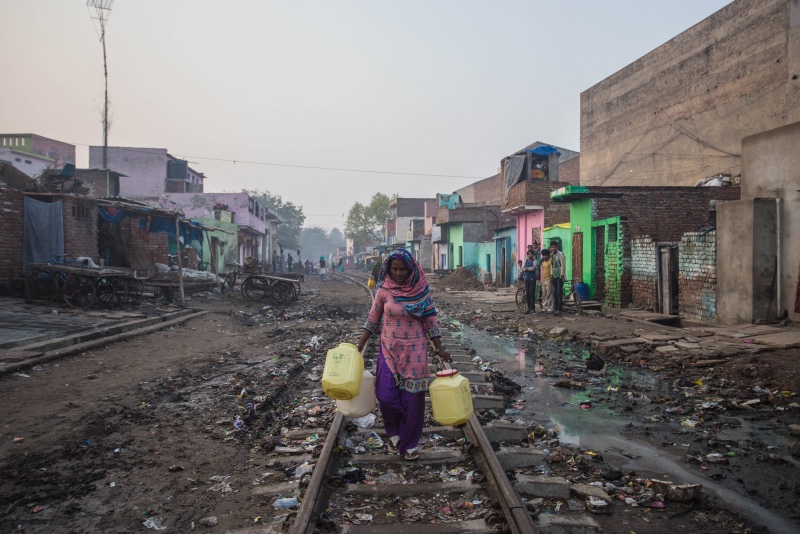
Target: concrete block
(558, 331)
(541, 486)
(667, 348)
(504, 431)
(474, 377)
(273, 490)
(566, 524)
(584, 491)
(519, 457)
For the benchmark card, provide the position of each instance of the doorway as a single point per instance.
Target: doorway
(668, 279)
(577, 256)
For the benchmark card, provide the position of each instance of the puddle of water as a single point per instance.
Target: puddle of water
(600, 428)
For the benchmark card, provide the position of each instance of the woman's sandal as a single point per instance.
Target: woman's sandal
(391, 448)
(411, 455)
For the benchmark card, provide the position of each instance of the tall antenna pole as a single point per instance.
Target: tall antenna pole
(102, 10)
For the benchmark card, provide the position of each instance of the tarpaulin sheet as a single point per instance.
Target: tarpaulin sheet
(190, 237)
(43, 231)
(512, 173)
(544, 150)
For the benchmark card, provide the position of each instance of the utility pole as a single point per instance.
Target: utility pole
(102, 10)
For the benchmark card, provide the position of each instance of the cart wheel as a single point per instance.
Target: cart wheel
(41, 285)
(135, 289)
(282, 293)
(255, 288)
(78, 290)
(110, 291)
(522, 299)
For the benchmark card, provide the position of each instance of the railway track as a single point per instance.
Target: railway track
(457, 485)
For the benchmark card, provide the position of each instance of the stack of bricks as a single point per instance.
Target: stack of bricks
(11, 221)
(618, 268)
(697, 275)
(644, 274)
(189, 259)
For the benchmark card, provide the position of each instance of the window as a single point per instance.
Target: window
(18, 160)
(612, 233)
(28, 161)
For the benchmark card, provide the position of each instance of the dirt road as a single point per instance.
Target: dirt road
(172, 429)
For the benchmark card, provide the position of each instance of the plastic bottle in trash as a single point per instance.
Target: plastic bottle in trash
(364, 402)
(343, 372)
(287, 502)
(451, 399)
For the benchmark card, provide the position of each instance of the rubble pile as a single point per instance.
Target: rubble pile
(462, 279)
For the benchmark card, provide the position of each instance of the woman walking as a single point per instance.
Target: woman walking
(405, 314)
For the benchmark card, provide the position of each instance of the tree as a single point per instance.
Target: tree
(291, 215)
(315, 242)
(336, 238)
(368, 222)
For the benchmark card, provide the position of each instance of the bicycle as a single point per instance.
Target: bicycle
(521, 297)
(571, 294)
(234, 270)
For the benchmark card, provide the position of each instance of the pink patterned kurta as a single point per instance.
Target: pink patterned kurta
(403, 341)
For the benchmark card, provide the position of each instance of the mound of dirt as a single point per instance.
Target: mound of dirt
(461, 279)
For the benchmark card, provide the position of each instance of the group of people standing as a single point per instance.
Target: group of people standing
(544, 270)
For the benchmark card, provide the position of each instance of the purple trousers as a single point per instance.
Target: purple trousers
(403, 412)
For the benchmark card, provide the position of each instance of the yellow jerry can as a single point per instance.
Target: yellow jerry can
(364, 402)
(451, 398)
(344, 369)
(371, 283)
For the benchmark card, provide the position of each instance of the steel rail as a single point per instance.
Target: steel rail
(514, 510)
(306, 519)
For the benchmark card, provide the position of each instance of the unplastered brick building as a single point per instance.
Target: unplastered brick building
(628, 244)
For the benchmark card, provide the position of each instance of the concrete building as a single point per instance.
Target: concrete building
(151, 171)
(470, 231)
(103, 182)
(758, 236)
(626, 244)
(486, 191)
(258, 226)
(679, 113)
(29, 143)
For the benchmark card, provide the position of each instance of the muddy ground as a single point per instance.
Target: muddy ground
(146, 431)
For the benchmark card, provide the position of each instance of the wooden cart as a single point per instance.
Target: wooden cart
(80, 287)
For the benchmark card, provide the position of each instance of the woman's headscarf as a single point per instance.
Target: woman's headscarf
(413, 294)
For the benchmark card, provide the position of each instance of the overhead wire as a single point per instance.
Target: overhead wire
(313, 167)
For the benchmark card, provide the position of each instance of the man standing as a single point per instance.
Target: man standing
(530, 270)
(290, 261)
(559, 271)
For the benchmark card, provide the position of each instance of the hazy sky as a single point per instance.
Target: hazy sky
(439, 87)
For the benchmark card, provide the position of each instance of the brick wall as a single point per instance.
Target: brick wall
(599, 264)
(80, 226)
(617, 265)
(570, 171)
(644, 275)
(697, 275)
(11, 213)
(663, 213)
(537, 193)
(155, 246)
(189, 258)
